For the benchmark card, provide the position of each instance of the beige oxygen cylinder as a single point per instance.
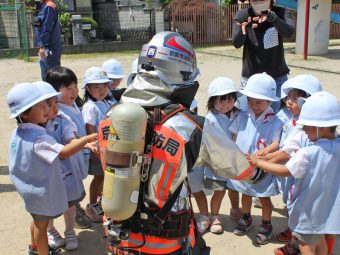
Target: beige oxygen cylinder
(121, 179)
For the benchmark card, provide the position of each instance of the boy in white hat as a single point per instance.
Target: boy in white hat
(258, 132)
(115, 72)
(97, 103)
(313, 204)
(34, 164)
(222, 95)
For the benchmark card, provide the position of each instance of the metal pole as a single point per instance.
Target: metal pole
(305, 49)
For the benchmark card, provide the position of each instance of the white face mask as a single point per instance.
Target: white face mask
(260, 6)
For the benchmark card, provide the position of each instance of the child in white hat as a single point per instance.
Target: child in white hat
(115, 72)
(312, 203)
(222, 95)
(64, 131)
(97, 103)
(257, 132)
(34, 164)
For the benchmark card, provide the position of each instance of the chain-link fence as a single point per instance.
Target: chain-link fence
(13, 31)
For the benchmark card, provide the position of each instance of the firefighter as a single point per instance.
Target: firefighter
(163, 221)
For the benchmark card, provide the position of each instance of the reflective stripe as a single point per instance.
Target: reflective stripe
(246, 174)
(103, 139)
(156, 245)
(167, 148)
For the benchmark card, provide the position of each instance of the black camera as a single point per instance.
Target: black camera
(37, 22)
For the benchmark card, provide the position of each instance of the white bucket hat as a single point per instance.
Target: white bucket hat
(22, 97)
(261, 86)
(47, 89)
(305, 82)
(222, 86)
(322, 109)
(114, 69)
(95, 75)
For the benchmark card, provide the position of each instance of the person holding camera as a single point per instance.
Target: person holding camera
(48, 36)
(260, 29)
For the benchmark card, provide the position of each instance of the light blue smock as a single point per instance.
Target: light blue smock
(252, 135)
(35, 170)
(314, 206)
(77, 118)
(70, 167)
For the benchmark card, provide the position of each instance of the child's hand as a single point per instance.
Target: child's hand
(244, 25)
(261, 152)
(93, 146)
(92, 137)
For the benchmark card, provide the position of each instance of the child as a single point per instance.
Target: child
(311, 204)
(97, 103)
(257, 131)
(65, 81)
(222, 95)
(34, 163)
(115, 72)
(61, 128)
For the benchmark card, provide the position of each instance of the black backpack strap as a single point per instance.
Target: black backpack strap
(159, 218)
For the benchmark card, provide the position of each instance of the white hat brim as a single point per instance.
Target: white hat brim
(116, 76)
(225, 92)
(96, 81)
(258, 96)
(319, 123)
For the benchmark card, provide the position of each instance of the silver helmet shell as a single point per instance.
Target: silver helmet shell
(169, 57)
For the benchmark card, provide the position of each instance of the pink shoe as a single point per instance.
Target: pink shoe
(216, 225)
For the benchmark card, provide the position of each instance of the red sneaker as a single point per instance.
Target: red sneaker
(284, 236)
(288, 249)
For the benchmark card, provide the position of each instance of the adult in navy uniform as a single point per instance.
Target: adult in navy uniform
(260, 29)
(48, 36)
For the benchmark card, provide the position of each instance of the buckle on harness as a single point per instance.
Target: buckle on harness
(157, 221)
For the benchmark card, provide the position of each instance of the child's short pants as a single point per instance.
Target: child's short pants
(195, 179)
(95, 167)
(308, 238)
(213, 184)
(38, 217)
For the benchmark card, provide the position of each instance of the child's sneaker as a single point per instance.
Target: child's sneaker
(54, 239)
(244, 225)
(284, 236)
(203, 223)
(236, 214)
(34, 251)
(265, 233)
(82, 221)
(288, 249)
(216, 225)
(71, 241)
(91, 213)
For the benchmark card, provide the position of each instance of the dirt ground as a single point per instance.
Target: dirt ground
(213, 62)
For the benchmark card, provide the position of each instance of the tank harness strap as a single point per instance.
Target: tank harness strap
(159, 218)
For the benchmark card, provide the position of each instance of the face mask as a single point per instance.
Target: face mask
(260, 6)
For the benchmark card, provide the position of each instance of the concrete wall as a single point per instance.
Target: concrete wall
(97, 47)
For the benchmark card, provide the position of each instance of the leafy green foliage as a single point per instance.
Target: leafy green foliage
(228, 2)
(87, 20)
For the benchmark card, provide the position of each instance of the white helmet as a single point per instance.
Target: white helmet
(305, 82)
(261, 86)
(22, 97)
(322, 109)
(47, 89)
(169, 57)
(222, 86)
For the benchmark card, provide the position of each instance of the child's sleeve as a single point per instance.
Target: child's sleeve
(297, 165)
(70, 131)
(47, 148)
(89, 114)
(292, 143)
(235, 125)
